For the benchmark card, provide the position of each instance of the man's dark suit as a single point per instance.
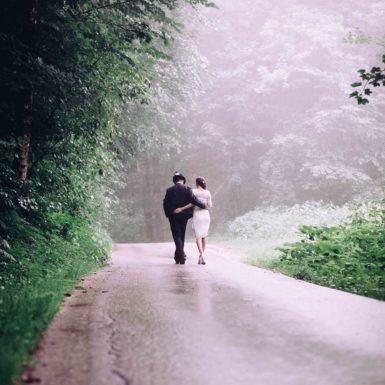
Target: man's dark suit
(179, 195)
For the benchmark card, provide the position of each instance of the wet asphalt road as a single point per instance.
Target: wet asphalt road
(145, 321)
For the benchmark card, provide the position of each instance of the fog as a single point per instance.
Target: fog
(257, 102)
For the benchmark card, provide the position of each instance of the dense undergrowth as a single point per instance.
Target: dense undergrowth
(44, 266)
(342, 247)
(348, 257)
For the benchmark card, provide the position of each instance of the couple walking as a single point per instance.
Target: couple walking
(180, 204)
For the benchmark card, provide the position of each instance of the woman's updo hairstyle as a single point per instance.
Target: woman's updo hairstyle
(200, 182)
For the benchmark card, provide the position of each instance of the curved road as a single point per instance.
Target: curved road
(145, 321)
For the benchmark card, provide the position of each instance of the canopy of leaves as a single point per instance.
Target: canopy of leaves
(80, 62)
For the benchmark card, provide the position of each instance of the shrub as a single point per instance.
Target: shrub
(349, 257)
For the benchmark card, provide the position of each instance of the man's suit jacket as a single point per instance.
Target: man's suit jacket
(180, 195)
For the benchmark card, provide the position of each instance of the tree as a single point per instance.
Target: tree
(68, 67)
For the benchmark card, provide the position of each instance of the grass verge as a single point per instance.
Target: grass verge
(32, 286)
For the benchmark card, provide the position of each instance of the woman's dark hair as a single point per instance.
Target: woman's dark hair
(200, 182)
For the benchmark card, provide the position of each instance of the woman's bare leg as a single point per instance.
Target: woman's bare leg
(203, 244)
(200, 246)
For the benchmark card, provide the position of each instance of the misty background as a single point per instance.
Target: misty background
(257, 102)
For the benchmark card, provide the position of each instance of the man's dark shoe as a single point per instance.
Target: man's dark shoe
(182, 261)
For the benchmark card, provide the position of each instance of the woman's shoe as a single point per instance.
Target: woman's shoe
(203, 262)
(200, 260)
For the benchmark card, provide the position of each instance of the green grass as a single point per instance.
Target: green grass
(33, 286)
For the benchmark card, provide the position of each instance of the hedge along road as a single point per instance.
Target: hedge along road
(143, 320)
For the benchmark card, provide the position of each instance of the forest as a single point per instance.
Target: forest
(280, 107)
(264, 112)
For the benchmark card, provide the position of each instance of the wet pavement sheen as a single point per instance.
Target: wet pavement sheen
(150, 322)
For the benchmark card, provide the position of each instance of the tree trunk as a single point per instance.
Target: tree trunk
(25, 144)
(27, 99)
(157, 200)
(146, 184)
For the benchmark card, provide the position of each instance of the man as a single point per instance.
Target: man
(179, 195)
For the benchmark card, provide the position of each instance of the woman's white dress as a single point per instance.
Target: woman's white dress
(201, 217)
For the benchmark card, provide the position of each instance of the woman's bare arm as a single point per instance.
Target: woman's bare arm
(180, 209)
(209, 201)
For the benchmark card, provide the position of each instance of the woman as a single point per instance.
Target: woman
(201, 217)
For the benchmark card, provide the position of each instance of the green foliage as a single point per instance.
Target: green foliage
(45, 266)
(349, 257)
(370, 79)
(68, 70)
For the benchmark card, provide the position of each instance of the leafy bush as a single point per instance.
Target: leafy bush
(333, 246)
(349, 257)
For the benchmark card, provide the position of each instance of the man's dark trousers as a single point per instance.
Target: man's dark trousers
(178, 226)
